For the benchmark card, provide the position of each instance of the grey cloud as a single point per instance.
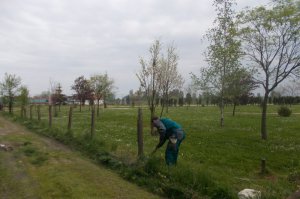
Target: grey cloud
(62, 39)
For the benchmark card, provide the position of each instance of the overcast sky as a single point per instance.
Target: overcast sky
(60, 40)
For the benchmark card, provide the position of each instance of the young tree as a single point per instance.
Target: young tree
(135, 98)
(57, 97)
(44, 94)
(131, 100)
(188, 99)
(9, 89)
(222, 55)
(271, 41)
(82, 88)
(175, 95)
(241, 84)
(24, 95)
(23, 99)
(102, 87)
(149, 77)
(191, 94)
(170, 77)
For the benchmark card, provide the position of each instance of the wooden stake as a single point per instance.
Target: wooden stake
(50, 116)
(30, 111)
(70, 118)
(25, 112)
(93, 122)
(140, 133)
(263, 166)
(39, 112)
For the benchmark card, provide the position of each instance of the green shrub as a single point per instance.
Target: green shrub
(174, 191)
(284, 111)
(152, 165)
(194, 180)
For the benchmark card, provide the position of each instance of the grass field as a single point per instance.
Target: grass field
(40, 167)
(214, 162)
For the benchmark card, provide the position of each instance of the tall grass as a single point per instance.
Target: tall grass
(214, 162)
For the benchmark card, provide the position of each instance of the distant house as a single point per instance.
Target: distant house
(39, 100)
(87, 102)
(71, 100)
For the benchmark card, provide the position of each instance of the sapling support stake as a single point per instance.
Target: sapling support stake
(140, 133)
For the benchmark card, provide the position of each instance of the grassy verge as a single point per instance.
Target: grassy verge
(214, 162)
(177, 182)
(37, 167)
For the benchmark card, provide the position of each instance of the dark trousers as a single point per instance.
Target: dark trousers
(172, 150)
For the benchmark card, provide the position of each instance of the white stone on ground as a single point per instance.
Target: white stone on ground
(249, 194)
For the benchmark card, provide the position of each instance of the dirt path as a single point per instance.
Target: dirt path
(36, 167)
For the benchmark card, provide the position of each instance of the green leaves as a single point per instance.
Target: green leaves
(224, 52)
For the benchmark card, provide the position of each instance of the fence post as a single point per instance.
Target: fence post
(30, 111)
(22, 111)
(98, 111)
(50, 116)
(140, 133)
(55, 110)
(263, 166)
(70, 118)
(93, 122)
(25, 112)
(39, 112)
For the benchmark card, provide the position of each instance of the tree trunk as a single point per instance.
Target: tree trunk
(264, 134)
(10, 105)
(162, 109)
(163, 105)
(167, 104)
(25, 112)
(70, 118)
(93, 122)
(22, 112)
(233, 111)
(98, 107)
(263, 169)
(30, 110)
(104, 103)
(50, 116)
(140, 134)
(55, 110)
(222, 117)
(151, 116)
(222, 113)
(39, 112)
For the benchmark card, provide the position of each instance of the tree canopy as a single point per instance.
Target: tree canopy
(271, 44)
(9, 88)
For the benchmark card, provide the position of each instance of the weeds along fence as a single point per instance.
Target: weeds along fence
(71, 120)
(115, 141)
(86, 132)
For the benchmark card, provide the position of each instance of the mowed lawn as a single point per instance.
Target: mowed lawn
(38, 167)
(231, 155)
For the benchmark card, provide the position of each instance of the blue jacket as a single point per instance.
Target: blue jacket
(166, 128)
